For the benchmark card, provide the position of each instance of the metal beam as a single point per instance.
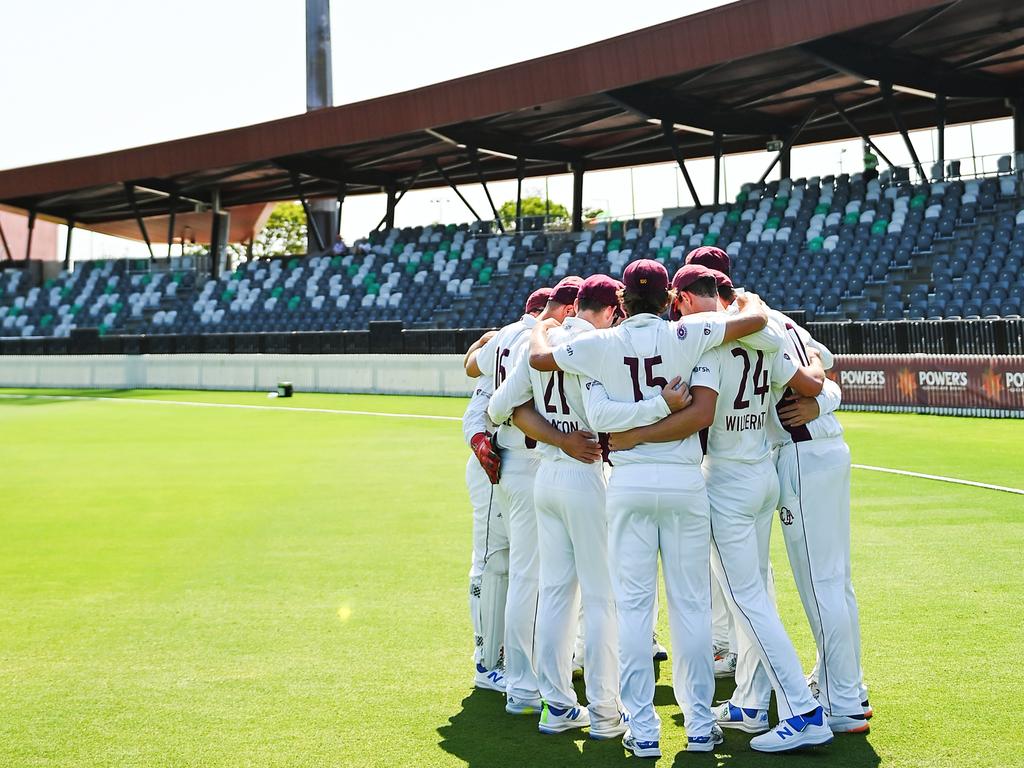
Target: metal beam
(577, 124)
(717, 143)
(341, 203)
(520, 172)
(668, 131)
(902, 127)
(333, 170)
(577, 197)
(781, 88)
(223, 176)
(940, 109)
(455, 189)
(612, 149)
(67, 245)
(129, 190)
(656, 103)
(474, 158)
(929, 17)
(860, 132)
(870, 62)
(979, 57)
(170, 227)
(311, 224)
(3, 239)
(506, 144)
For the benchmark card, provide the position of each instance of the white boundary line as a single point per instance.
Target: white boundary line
(230, 405)
(242, 406)
(940, 478)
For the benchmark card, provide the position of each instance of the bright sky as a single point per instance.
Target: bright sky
(89, 77)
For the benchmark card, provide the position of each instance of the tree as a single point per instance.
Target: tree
(283, 234)
(532, 206)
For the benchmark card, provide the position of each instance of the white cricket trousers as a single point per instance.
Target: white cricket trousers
(814, 507)
(662, 508)
(572, 532)
(515, 494)
(743, 498)
(490, 535)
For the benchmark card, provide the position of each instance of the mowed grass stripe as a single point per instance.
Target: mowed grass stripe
(210, 587)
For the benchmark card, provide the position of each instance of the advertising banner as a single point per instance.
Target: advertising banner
(976, 385)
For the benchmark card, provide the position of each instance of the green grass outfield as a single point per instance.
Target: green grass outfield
(187, 586)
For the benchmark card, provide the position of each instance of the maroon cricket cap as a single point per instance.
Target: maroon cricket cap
(600, 289)
(722, 280)
(538, 300)
(565, 290)
(688, 274)
(646, 277)
(710, 257)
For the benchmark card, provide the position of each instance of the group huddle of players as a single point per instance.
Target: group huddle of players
(605, 436)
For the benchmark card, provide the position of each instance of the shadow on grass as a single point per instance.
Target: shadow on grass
(56, 396)
(484, 736)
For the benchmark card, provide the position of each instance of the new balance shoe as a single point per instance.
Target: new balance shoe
(641, 748)
(491, 680)
(610, 729)
(726, 666)
(558, 720)
(658, 651)
(743, 719)
(705, 743)
(868, 711)
(797, 732)
(848, 724)
(523, 706)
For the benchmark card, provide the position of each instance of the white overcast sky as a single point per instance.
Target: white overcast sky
(83, 77)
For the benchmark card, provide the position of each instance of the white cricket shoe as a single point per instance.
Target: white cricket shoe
(610, 729)
(745, 719)
(797, 732)
(489, 679)
(641, 748)
(658, 651)
(726, 666)
(868, 710)
(559, 720)
(705, 743)
(523, 706)
(848, 724)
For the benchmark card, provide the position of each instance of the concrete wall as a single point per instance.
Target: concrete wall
(381, 374)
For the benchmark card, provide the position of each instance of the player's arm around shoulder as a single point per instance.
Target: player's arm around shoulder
(608, 415)
(751, 318)
(771, 338)
(542, 354)
(470, 360)
(515, 390)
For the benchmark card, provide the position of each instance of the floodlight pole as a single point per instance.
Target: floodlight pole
(320, 95)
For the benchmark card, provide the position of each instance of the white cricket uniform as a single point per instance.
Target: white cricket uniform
(490, 533)
(813, 463)
(656, 502)
(743, 490)
(572, 532)
(519, 461)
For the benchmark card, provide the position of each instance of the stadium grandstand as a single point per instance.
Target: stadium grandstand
(907, 244)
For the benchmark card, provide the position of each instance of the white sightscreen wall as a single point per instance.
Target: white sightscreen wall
(381, 374)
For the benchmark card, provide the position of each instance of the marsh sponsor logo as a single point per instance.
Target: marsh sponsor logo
(1014, 380)
(942, 379)
(865, 379)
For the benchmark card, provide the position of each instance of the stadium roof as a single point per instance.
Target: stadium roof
(802, 71)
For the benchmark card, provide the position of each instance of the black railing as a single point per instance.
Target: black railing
(937, 337)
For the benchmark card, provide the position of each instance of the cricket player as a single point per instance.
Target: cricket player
(656, 498)
(814, 508)
(488, 575)
(743, 492)
(514, 490)
(572, 536)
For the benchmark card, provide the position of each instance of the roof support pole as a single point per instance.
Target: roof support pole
(455, 189)
(577, 196)
(67, 245)
(902, 127)
(389, 217)
(31, 229)
(788, 144)
(170, 226)
(670, 136)
(341, 203)
(311, 224)
(785, 160)
(474, 159)
(1017, 105)
(8, 256)
(940, 108)
(860, 132)
(129, 190)
(717, 142)
(520, 173)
